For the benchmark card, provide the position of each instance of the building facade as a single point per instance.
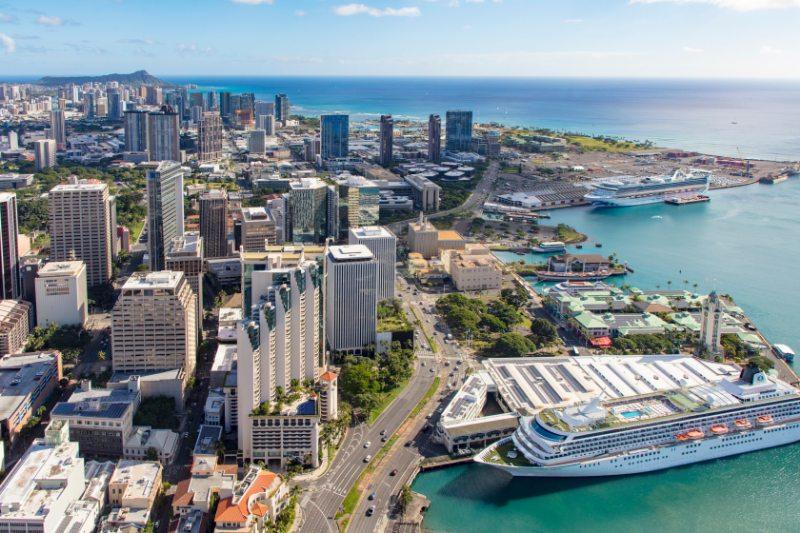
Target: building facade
(434, 138)
(312, 211)
(164, 210)
(14, 325)
(335, 136)
(61, 294)
(44, 153)
(186, 255)
(214, 222)
(163, 141)
(209, 137)
(383, 245)
(351, 283)
(136, 131)
(387, 139)
(458, 137)
(9, 251)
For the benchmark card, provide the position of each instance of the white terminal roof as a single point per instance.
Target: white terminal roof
(350, 252)
(61, 268)
(529, 385)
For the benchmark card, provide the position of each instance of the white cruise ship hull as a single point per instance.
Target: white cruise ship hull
(631, 201)
(658, 458)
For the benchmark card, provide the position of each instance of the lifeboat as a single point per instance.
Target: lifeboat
(764, 419)
(719, 429)
(742, 423)
(682, 437)
(695, 434)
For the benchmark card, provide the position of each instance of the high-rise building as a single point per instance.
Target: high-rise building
(164, 210)
(351, 274)
(209, 137)
(387, 137)
(266, 123)
(262, 107)
(9, 252)
(281, 108)
(211, 101)
(434, 138)
(163, 140)
(44, 152)
(335, 136)
(225, 110)
(58, 128)
(279, 341)
(186, 255)
(359, 202)
(711, 324)
(80, 227)
(153, 324)
(312, 212)
(311, 148)
(153, 95)
(214, 223)
(458, 137)
(89, 106)
(61, 294)
(136, 131)
(247, 103)
(114, 104)
(383, 245)
(258, 229)
(257, 142)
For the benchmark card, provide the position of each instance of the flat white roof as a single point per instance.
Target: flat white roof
(61, 268)
(165, 279)
(372, 232)
(350, 252)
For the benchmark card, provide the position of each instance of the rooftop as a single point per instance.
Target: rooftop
(350, 252)
(80, 185)
(165, 279)
(97, 403)
(207, 437)
(61, 268)
(19, 376)
(139, 478)
(372, 232)
(190, 244)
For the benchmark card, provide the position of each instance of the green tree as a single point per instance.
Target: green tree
(511, 345)
(151, 454)
(543, 332)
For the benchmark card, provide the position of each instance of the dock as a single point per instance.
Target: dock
(444, 461)
(688, 200)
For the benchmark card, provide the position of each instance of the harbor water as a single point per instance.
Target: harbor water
(745, 243)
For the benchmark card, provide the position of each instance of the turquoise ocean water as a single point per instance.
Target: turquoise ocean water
(744, 242)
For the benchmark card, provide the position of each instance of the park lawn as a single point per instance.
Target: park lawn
(593, 144)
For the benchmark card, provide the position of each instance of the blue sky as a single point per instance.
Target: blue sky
(639, 38)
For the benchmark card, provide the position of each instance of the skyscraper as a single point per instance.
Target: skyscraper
(351, 284)
(136, 131)
(154, 324)
(164, 210)
(225, 110)
(311, 214)
(186, 255)
(80, 227)
(258, 229)
(262, 107)
(257, 142)
(89, 107)
(383, 245)
(458, 136)
(164, 135)
(114, 104)
(387, 136)
(209, 137)
(44, 151)
(359, 202)
(434, 138)
(58, 128)
(335, 136)
(9, 252)
(211, 101)
(281, 108)
(266, 123)
(213, 223)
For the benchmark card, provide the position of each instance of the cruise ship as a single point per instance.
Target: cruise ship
(686, 411)
(627, 191)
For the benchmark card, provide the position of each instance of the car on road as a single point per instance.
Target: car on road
(433, 370)
(367, 444)
(368, 458)
(409, 444)
(373, 495)
(393, 472)
(383, 432)
(371, 511)
(384, 439)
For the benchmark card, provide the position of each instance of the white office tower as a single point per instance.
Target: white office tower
(46, 480)
(61, 294)
(82, 227)
(153, 324)
(44, 151)
(279, 340)
(257, 142)
(383, 245)
(351, 297)
(711, 324)
(266, 123)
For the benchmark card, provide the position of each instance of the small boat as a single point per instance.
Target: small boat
(719, 429)
(742, 423)
(764, 419)
(598, 244)
(550, 247)
(579, 246)
(695, 434)
(784, 352)
(682, 437)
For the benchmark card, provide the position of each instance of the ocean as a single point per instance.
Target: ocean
(753, 119)
(744, 242)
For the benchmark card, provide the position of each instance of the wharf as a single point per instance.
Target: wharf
(443, 461)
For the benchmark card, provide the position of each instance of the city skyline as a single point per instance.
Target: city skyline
(612, 38)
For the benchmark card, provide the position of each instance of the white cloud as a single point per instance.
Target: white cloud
(736, 5)
(44, 20)
(193, 48)
(692, 50)
(300, 13)
(252, 2)
(8, 44)
(572, 21)
(769, 50)
(349, 10)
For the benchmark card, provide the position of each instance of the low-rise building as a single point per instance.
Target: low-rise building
(214, 408)
(473, 269)
(224, 359)
(578, 263)
(256, 501)
(61, 294)
(12, 180)
(132, 492)
(14, 322)
(26, 381)
(145, 442)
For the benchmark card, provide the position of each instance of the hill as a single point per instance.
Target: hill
(140, 77)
